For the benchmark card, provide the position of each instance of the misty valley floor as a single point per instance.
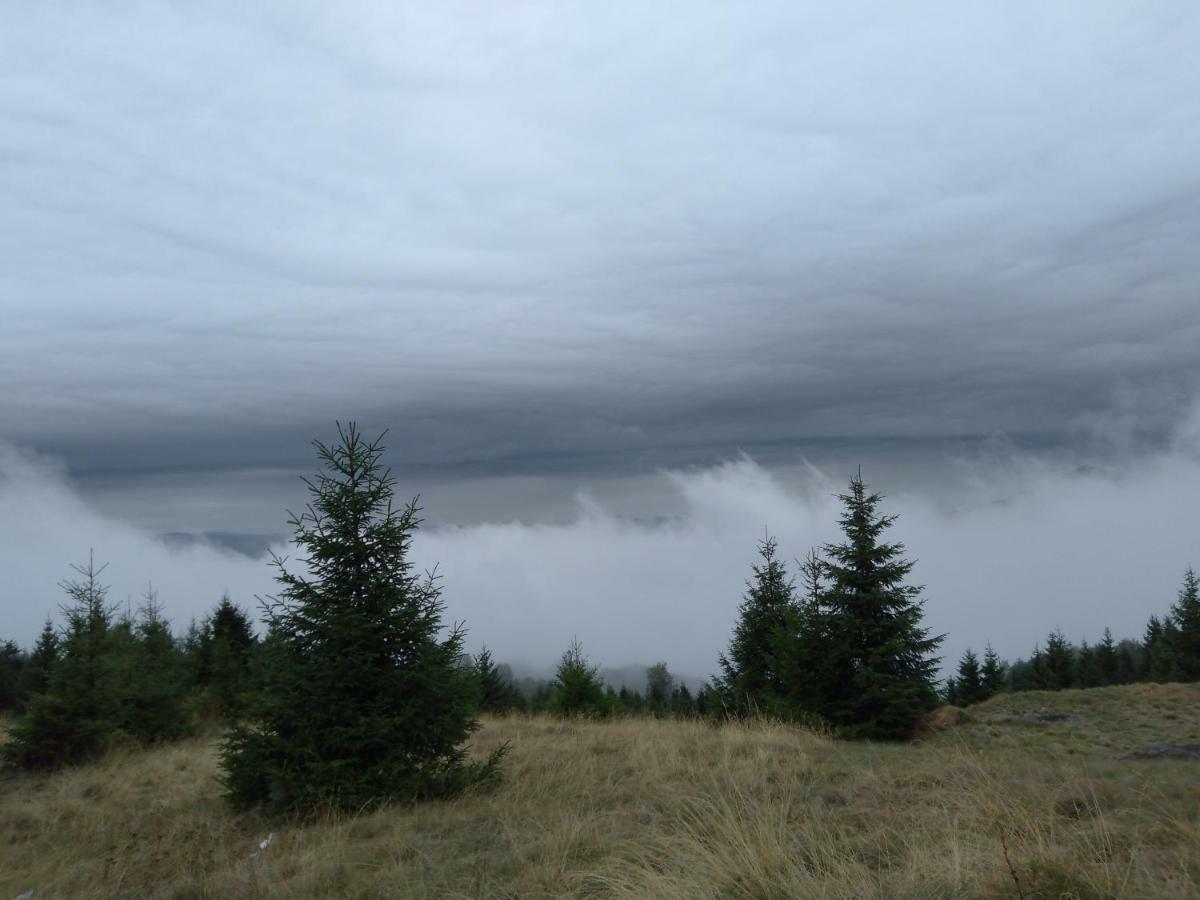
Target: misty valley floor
(644, 808)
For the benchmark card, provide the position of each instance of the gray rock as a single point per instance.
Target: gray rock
(1166, 751)
(1053, 716)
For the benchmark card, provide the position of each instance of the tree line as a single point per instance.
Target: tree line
(358, 692)
(1169, 650)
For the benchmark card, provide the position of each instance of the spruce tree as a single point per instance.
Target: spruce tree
(42, 660)
(495, 692)
(1127, 661)
(802, 651)
(1160, 663)
(1088, 667)
(659, 687)
(13, 663)
(577, 689)
(992, 673)
(1060, 662)
(884, 676)
(752, 672)
(362, 700)
(1185, 616)
(1107, 659)
(153, 707)
(969, 683)
(76, 716)
(682, 702)
(1038, 677)
(227, 655)
(950, 691)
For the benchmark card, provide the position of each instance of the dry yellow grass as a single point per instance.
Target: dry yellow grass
(662, 809)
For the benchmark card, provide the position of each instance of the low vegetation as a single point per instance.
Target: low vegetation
(1026, 796)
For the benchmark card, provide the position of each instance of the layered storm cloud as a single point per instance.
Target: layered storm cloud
(1024, 546)
(557, 229)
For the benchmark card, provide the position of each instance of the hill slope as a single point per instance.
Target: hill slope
(645, 808)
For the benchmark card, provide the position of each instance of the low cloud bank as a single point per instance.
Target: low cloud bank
(1023, 547)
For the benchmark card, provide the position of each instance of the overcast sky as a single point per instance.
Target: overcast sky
(557, 245)
(509, 229)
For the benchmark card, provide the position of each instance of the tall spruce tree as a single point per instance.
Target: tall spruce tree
(803, 651)
(950, 691)
(682, 702)
(969, 683)
(496, 693)
(1037, 675)
(1060, 662)
(362, 701)
(1107, 659)
(153, 707)
(226, 654)
(1185, 615)
(1159, 661)
(577, 689)
(1087, 668)
(660, 685)
(752, 670)
(76, 716)
(13, 663)
(992, 673)
(883, 671)
(42, 660)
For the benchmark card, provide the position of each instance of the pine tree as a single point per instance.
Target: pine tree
(361, 703)
(950, 691)
(227, 651)
(1107, 660)
(803, 648)
(1160, 664)
(969, 684)
(884, 677)
(12, 676)
(1185, 616)
(706, 703)
(42, 660)
(76, 716)
(1060, 662)
(1128, 666)
(682, 703)
(630, 703)
(751, 676)
(577, 689)
(496, 694)
(992, 673)
(153, 705)
(1088, 667)
(659, 687)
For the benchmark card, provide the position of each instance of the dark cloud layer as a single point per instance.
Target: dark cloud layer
(552, 231)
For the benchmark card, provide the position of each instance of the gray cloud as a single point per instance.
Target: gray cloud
(1026, 545)
(554, 229)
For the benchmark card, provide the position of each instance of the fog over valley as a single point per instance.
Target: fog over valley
(1009, 544)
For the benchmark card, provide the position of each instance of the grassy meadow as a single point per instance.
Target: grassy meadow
(999, 802)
